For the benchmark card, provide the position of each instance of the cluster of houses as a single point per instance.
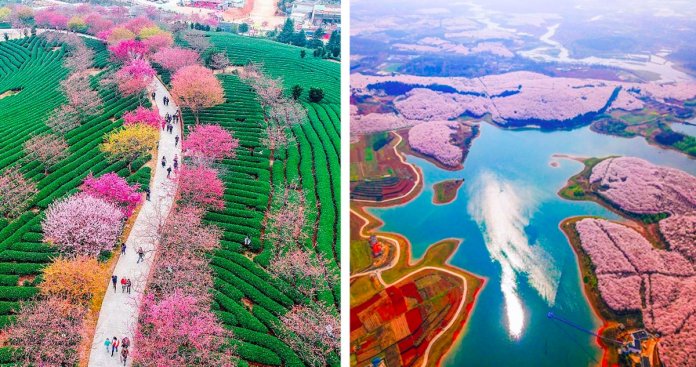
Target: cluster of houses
(376, 246)
(214, 4)
(636, 347)
(312, 14)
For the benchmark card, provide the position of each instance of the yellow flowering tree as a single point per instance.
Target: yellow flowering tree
(79, 280)
(130, 143)
(120, 34)
(150, 31)
(77, 24)
(4, 13)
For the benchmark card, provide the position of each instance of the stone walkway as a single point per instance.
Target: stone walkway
(119, 311)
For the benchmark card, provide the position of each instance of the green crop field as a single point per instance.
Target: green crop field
(313, 161)
(34, 68)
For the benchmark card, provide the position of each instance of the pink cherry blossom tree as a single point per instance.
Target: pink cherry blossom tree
(196, 39)
(79, 58)
(63, 119)
(128, 49)
(180, 331)
(175, 58)
(85, 100)
(51, 18)
(183, 263)
(136, 24)
(113, 189)
(196, 87)
(268, 90)
(82, 225)
(158, 42)
(15, 192)
(97, 23)
(40, 324)
(142, 115)
(304, 270)
(134, 77)
(219, 60)
(200, 186)
(286, 226)
(209, 142)
(313, 332)
(283, 115)
(48, 149)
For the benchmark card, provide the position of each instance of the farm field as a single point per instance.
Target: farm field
(247, 298)
(32, 68)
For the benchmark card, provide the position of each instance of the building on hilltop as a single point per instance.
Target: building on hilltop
(308, 14)
(214, 4)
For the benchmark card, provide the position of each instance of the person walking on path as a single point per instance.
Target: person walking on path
(153, 95)
(176, 162)
(123, 285)
(164, 161)
(128, 286)
(107, 343)
(124, 355)
(169, 171)
(123, 248)
(147, 193)
(176, 140)
(141, 255)
(164, 124)
(114, 279)
(114, 346)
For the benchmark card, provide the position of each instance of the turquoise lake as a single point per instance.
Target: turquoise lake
(507, 214)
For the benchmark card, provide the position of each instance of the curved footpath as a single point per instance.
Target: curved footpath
(119, 311)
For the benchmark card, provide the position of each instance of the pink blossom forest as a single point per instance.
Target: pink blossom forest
(634, 275)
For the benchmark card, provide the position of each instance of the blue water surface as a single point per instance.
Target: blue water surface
(518, 165)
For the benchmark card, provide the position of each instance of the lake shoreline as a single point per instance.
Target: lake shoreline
(593, 298)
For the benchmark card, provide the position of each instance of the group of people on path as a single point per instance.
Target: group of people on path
(170, 120)
(175, 164)
(125, 284)
(113, 344)
(167, 125)
(140, 251)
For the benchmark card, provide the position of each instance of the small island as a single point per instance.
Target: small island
(446, 191)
